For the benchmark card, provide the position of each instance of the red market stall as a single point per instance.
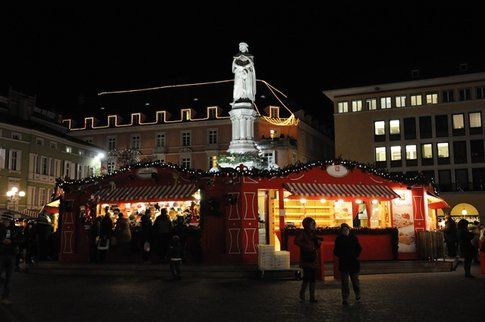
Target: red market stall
(239, 209)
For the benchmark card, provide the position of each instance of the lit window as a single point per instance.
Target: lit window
(411, 152)
(427, 152)
(371, 103)
(385, 102)
(274, 112)
(68, 149)
(458, 122)
(416, 100)
(110, 166)
(356, 106)
(379, 128)
(432, 98)
(443, 151)
(400, 101)
(395, 153)
(394, 127)
(212, 161)
(475, 119)
(381, 154)
(186, 114)
(343, 107)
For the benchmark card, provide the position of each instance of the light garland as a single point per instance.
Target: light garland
(263, 173)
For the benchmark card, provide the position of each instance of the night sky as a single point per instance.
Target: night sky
(66, 55)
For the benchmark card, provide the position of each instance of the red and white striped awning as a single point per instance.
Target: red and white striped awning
(147, 193)
(341, 190)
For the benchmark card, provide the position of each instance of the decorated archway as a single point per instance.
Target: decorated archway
(464, 209)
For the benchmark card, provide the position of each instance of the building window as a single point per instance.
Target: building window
(80, 152)
(135, 142)
(44, 166)
(3, 154)
(464, 94)
(110, 166)
(411, 153)
(269, 156)
(458, 121)
(385, 102)
(409, 128)
(432, 98)
(427, 151)
(475, 119)
(53, 145)
(68, 149)
(460, 152)
(447, 96)
(343, 107)
(379, 128)
(480, 93)
(186, 139)
(381, 154)
(16, 136)
(400, 101)
(67, 169)
(394, 127)
(444, 180)
(186, 162)
(52, 167)
(160, 140)
(212, 162)
(395, 153)
(477, 151)
(111, 143)
(371, 103)
(15, 160)
(212, 112)
(39, 141)
(357, 106)
(416, 100)
(443, 150)
(212, 136)
(425, 128)
(441, 124)
(274, 112)
(461, 179)
(88, 140)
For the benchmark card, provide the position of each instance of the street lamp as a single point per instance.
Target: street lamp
(14, 195)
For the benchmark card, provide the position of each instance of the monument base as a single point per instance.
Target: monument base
(242, 146)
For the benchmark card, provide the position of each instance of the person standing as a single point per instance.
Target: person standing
(146, 233)
(347, 249)
(162, 228)
(9, 240)
(451, 240)
(123, 234)
(465, 243)
(309, 244)
(176, 255)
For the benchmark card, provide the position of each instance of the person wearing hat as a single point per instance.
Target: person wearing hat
(347, 249)
(9, 239)
(309, 244)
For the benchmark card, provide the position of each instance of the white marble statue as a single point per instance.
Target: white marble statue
(244, 75)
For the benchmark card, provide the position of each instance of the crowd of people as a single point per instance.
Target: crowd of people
(144, 234)
(464, 240)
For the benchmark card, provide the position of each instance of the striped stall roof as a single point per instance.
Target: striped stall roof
(147, 193)
(341, 190)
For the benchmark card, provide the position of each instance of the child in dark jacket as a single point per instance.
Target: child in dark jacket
(176, 255)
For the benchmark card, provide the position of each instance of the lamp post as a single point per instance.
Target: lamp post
(13, 196)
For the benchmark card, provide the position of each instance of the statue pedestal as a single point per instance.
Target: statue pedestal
(242, 119)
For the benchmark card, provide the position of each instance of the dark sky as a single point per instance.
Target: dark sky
(62, 54)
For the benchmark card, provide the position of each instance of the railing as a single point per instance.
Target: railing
(430, 245)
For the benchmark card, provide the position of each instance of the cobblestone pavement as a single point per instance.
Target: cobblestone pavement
(397, 297)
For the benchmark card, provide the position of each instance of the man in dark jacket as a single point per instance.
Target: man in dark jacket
(347, 249)
(309, 244)
(9, 247)
(162, 229)
(450, 236)
(465, 243)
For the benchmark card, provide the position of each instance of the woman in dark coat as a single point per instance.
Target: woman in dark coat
(465, 243)
(347, 249)
(309, 244)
